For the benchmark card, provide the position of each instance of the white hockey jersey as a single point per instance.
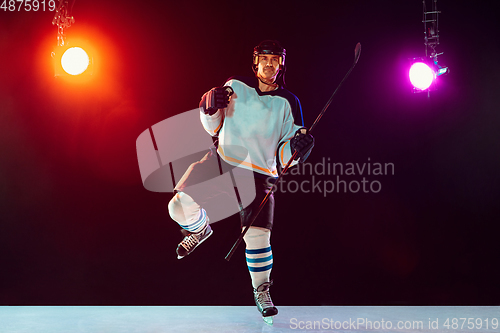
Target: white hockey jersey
(260, 122)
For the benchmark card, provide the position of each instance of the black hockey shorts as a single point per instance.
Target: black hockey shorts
(213, 194)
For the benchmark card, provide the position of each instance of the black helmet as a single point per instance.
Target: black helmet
(270, 47)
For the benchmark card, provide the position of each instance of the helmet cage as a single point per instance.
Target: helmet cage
(269, 47)
(256, 58)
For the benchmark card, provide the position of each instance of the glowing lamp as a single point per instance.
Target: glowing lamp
(421, 75)
(75, 61)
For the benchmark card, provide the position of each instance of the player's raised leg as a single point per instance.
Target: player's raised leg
(194, 221)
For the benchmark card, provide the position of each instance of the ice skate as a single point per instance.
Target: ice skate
(264, 303)
(191, 241)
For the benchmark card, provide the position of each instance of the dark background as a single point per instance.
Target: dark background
(77, 227)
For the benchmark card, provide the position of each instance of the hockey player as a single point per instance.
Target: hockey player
(263, 117)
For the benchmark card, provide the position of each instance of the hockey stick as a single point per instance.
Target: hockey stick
(357, 52)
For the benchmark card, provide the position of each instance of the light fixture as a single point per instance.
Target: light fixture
(421, 75)
(424, 72)
(71, 57)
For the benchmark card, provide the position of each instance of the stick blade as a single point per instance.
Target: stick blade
(357, 52)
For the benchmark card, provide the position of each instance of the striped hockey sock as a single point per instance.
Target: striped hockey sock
(187, 213)
(259, 255)
(197, 224)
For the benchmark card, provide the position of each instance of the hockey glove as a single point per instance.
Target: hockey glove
(303, 143)
(215, 99)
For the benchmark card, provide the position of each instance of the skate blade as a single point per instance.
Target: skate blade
(268, 320)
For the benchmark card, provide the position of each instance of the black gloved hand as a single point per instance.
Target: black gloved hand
(303, 143)
(215, 99)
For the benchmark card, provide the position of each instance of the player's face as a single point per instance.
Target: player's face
(268, 67)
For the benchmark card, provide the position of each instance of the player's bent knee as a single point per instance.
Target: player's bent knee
(175, 208)
(257, 233)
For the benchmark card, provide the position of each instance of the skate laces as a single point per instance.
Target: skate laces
(191, 241)
(264, 299)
